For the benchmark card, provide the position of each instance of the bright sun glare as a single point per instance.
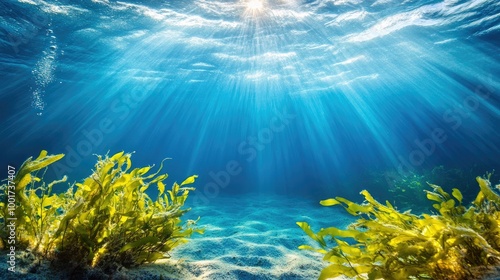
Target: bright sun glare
(255, 4)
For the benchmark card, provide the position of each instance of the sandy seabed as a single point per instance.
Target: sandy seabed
(246, 237)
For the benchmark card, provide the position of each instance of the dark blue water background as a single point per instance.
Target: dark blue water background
(298, 98)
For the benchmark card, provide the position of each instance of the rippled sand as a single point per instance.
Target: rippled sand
(249, 238)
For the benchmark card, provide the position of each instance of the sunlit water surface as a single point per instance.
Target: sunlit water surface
(288, 97)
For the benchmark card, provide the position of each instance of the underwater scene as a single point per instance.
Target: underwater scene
(250, 139)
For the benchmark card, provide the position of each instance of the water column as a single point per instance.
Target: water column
(43, 71)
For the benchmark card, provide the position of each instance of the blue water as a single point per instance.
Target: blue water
(288, 97)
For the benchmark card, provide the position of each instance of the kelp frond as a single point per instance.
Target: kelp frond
(107, 218)
(385, 243)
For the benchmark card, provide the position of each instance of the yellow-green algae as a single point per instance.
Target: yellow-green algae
(385, 243)
(105, 220)
(407, 188)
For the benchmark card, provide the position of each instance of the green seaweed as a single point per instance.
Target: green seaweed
(105, 220)
(407, 187)
(385, 243)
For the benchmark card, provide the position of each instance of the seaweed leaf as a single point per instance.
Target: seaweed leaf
(329, 202)
(457, 194)
(388, 244)
(141, 242)
(189, 180)
(106, 218)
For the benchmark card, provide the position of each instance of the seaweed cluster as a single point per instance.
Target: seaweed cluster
(407, 188)
(385, 243)
(104, 221)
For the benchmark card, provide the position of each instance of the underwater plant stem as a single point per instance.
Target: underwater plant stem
(115, 223)
(40, 230)
(349, 262)
(64, 234)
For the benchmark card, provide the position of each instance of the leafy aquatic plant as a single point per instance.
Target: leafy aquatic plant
(105, 220)
(407, 187)
(385, 243)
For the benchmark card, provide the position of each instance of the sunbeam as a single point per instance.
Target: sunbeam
(254, 5)
(269, 108)
(205, 81)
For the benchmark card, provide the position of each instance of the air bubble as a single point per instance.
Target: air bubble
(53, 47)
